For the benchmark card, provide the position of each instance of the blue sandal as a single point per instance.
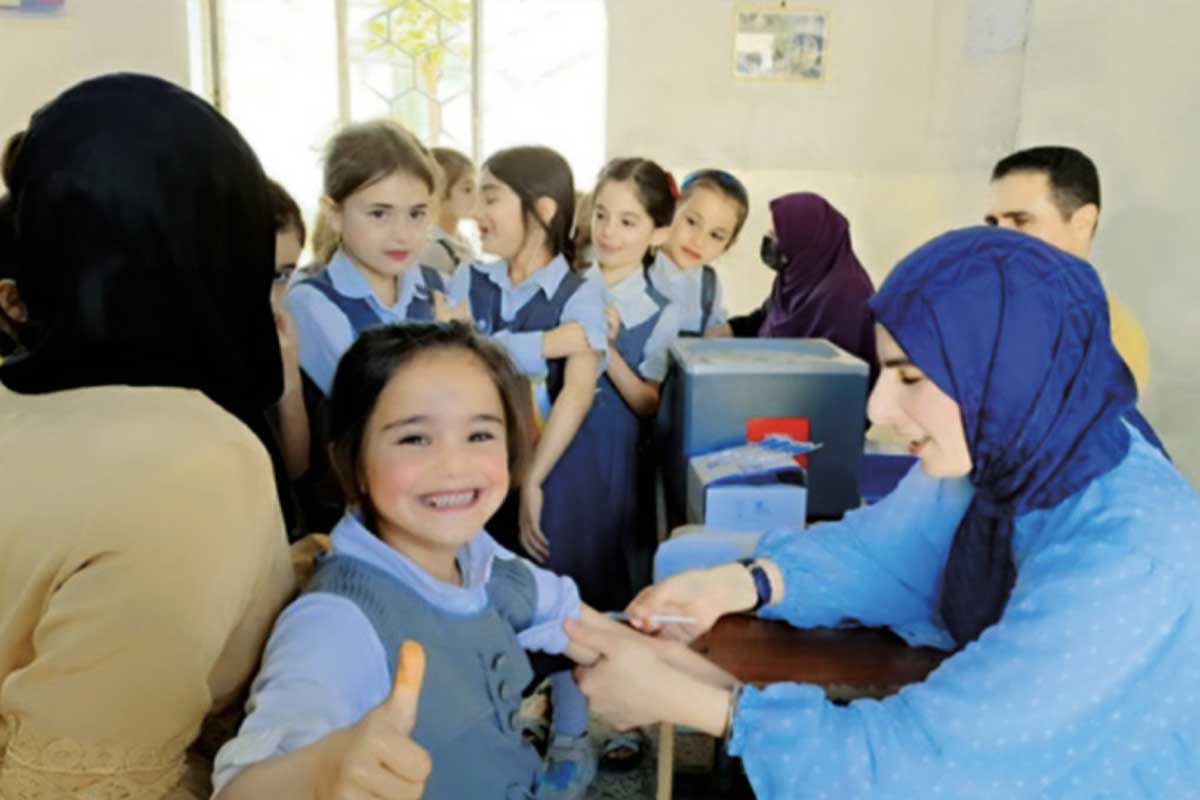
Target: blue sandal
(634, 743)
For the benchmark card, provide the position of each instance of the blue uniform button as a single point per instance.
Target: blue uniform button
(498, 662)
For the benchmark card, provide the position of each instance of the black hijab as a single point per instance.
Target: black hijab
(144, 250)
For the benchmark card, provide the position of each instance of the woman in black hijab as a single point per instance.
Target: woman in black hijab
(142, 549)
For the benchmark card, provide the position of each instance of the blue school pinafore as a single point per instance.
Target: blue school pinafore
(631, 465)
(317, 491)
(474, 674)
(359, 311)
(579, 515)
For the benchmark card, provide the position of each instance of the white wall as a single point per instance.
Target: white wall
(43, 54)
(1115, 80)
(898, 137)
(921, 99)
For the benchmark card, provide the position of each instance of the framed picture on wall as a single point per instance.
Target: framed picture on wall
(776, 42)
(31, 5)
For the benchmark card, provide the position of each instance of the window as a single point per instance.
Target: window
(476, 75)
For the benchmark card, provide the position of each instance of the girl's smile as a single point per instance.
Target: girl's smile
(622, 230)
(452, 500)
(434, 462)
(703, 228)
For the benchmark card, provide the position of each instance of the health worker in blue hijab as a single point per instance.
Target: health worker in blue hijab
(1042, 540)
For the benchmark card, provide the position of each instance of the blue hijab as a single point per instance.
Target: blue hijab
(1017, 332)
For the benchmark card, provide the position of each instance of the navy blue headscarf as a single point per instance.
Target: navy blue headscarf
(1017, 333)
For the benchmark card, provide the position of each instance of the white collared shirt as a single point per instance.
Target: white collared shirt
(685, 287)
(635, 306)
(324, 332)
(586, 306)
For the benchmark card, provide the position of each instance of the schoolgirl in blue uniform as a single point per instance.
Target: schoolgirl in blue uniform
(711, 211)
(552, 321)
(632, 208)
(380, 189)
(428, 432)
(380, 185)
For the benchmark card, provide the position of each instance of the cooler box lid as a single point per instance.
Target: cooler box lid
(699, 356)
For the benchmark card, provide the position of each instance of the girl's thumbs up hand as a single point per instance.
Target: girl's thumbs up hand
(377, 757)
(406, 689)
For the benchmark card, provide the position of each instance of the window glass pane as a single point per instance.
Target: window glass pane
(280, 86)
(411, 60)
(543, 65)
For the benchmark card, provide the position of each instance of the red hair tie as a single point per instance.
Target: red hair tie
(674, 186)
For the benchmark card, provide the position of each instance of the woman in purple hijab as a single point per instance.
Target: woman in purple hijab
(821, 290)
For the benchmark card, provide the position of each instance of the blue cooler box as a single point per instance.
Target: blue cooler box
(714, 386)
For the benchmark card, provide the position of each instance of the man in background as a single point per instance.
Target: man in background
(1053, 193)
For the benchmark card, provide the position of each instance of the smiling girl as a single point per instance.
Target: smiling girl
(712, 209)
(551, 320)
(428, 435)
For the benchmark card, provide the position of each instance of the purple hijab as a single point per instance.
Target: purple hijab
(823, 292)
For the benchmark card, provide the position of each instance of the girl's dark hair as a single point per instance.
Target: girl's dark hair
(376, 356)
(655, 189)
(9, 157)
(454, 166)
(722, 183)
(287, 213)
(533, 172)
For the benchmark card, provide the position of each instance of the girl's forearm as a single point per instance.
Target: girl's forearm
(642, 396)
(293, 774)
(564, 341)
(567, 414)
(293, 433)
(698, 705)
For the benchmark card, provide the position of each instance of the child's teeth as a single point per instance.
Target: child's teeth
(452, 500)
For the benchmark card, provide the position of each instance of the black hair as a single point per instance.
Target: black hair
(1074, 181)
(287, 213)
(533, 172)
(376, 356)
(722, 182)
(655, 189)
(8, 159)
(8, 239)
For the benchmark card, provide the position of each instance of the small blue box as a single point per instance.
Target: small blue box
(722, 499)
(762, 507)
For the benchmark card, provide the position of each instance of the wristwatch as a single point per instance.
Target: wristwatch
(762, 583)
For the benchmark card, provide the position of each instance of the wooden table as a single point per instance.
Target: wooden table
(847, 663)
